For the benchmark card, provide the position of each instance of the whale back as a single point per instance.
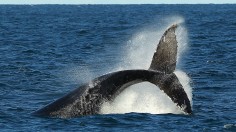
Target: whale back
(87, 99)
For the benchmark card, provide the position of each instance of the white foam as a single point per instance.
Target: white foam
(146, 97)
(142, 98)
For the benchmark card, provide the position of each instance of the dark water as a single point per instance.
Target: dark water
(43, 49)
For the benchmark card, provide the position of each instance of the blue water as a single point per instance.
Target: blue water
(48, 50)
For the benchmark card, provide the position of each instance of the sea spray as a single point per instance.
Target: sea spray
(141, 98)
(146, 97)
(79, 74)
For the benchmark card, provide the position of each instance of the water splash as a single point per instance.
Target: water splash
(146, 97)
(141, 98)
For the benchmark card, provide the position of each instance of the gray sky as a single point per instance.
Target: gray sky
(116, 1)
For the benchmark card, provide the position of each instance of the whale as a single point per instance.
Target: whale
(89, 97)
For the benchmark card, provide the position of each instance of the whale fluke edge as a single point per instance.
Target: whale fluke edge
(88, 98)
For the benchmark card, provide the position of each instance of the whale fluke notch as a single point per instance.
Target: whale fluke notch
(164, 59)
(88, 98)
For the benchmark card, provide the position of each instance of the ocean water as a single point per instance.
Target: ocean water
(48, 50)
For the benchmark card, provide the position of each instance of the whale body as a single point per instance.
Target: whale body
(88, 98)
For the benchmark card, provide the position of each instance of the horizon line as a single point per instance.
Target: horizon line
(117, 4)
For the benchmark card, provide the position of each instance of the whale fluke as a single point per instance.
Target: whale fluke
(88, 98)
(164, 59)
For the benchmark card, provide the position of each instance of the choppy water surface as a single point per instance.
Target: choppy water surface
(48, 50)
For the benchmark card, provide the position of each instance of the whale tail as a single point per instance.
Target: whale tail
(164, 59)
(88, 98)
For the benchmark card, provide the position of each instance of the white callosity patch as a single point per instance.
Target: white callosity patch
(146, 97)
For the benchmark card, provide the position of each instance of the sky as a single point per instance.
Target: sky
(116, 1)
